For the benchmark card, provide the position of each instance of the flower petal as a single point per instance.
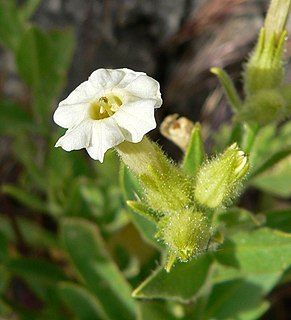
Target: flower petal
(77, 138)
(106, 79)
(135, 119)
(105, 135)
(145, 87)
(84, 93)
(70, 115)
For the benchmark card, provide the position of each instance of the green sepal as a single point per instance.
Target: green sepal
(263, 107)
(167, 190)
(144, 210)
(285, 91)
(264, 69)
(229, 88)
(195, 152)
(219, 180)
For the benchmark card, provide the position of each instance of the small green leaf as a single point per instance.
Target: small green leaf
(229, 88)
(249, 136)
(83, 304)
(195, 152)
(132, 191)
(88, 253)
(144, 210)
(182, 283)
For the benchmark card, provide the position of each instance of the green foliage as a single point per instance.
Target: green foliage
(81, 302)
(181, 284)
(42, 59)
(90, 258)
(70, 247)
(195, 152)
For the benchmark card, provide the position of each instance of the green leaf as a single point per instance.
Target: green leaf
(88, 253)
(229, 88)
(271, 161)
(275, 181)
(249, 136)
(34, 56)
(154, 310)
(269, 141)
(27, 9)
(255, 313)
(260, 256)
(182, 283)
(42, 60)
(195, 152)
(36, 269)
(24, 197)
(14, 118)
(235, 299)
(132, 191)
(259, 250)
(237, 219)
(144, 210)
(11, 28)
(33, 234)
(279, 219)
(83, 304)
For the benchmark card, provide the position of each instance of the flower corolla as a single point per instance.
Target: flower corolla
(112, 106)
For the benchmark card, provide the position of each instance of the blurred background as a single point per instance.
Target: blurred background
(48, 47)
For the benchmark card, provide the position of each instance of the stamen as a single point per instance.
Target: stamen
(104, 107)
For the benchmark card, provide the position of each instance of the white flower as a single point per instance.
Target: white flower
(110, 107)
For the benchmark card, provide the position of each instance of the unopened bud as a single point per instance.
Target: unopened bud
(218, 181)
(264, 69)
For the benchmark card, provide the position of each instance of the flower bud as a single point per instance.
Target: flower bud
(186, 234)
(264, 69)
(218, 181)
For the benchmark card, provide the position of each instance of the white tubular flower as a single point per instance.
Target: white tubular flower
(110, 107)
